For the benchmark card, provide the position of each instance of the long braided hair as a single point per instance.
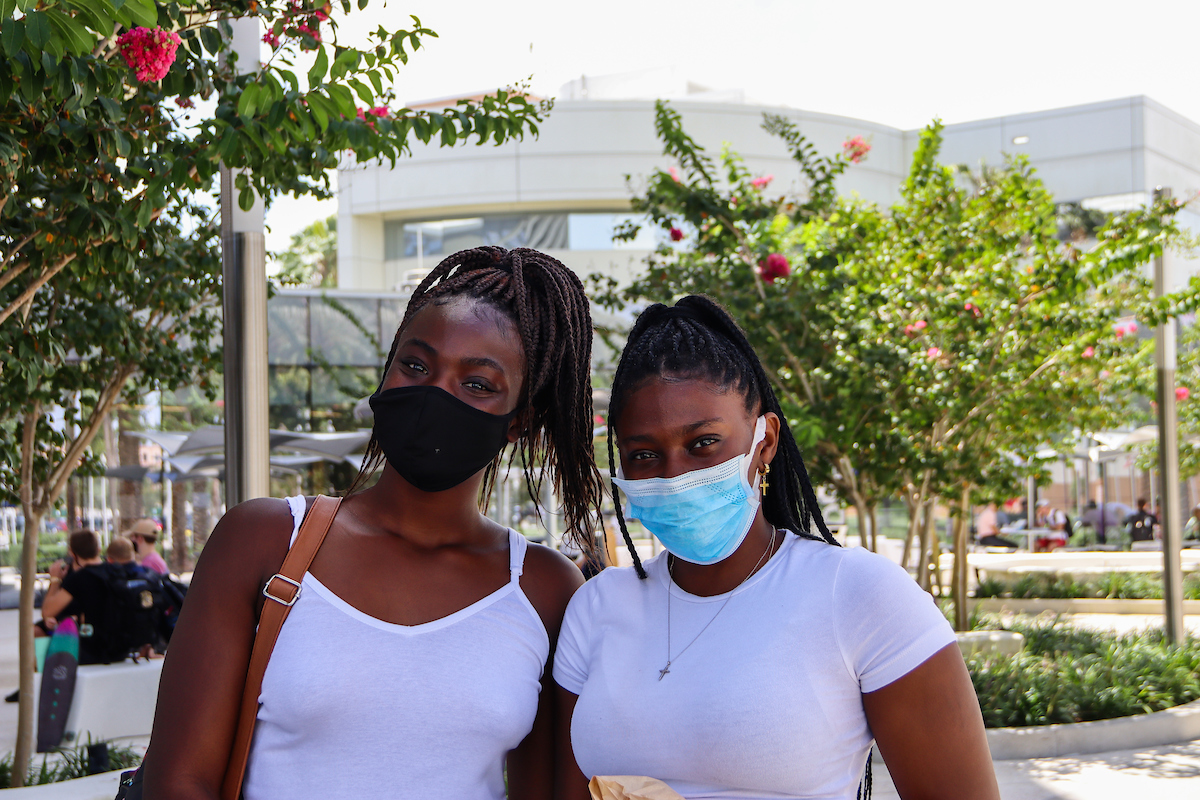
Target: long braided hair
(547, 304)
(697, 339)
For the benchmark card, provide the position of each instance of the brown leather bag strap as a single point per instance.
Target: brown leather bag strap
(282, 590)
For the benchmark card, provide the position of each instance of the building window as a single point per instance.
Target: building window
(440, 238)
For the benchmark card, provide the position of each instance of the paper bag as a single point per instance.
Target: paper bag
(631, 787)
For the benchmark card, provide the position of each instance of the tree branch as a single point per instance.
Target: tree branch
(33, 287)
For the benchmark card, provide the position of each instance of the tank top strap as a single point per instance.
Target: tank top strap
(298, 504)
(517, 545)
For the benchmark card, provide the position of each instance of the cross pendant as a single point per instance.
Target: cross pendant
(662, 673)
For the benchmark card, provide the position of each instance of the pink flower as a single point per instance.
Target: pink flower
(149, 52)
(921, 324)
(909, 330)
(774, 266)
(1104, 374)
(932, 353)
(270, 38)
(380, 111)
(674, 174)
(974, 309)
(676, 235)
(303, 28)
(1123, 328)
(762, 181)
(1182, 393)
(1088, 352)
(320, 15)
(856, 149)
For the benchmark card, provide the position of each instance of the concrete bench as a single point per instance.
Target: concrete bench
(112, 701)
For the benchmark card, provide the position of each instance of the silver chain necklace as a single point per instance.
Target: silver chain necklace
(662, 673)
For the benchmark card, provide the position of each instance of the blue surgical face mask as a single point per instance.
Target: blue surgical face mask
(700, 516)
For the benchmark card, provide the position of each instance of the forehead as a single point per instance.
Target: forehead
(669, 403)
(467, 327)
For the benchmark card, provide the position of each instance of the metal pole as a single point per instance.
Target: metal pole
(243, 255)
(1168, 456)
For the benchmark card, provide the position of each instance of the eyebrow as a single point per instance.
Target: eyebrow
(691, 426)
(470, 361)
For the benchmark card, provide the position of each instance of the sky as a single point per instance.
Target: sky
(897, 62)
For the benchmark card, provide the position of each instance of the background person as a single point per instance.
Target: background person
(987, 527)
(1056, 528)
(144, 535)
(1110, 516)
(1141, 524)
(82, 592)
(754, 658)
(415, 660)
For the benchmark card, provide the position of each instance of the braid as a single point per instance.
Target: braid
(547, 304)
(698, 339)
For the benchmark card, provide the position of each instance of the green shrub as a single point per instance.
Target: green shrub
(1110, 585)
(67, 765)
(1068, 674)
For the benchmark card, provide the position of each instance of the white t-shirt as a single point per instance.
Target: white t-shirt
(767, 702)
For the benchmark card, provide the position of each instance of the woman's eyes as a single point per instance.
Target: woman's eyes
(471, 384)
(415, 366)
(705, 441)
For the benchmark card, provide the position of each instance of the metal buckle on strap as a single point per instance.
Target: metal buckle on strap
(289, 603)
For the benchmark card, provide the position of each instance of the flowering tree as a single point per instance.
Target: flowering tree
(922, 351)
(100, 128)
(113, 116)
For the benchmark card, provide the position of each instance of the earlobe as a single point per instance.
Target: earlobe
(517, 428)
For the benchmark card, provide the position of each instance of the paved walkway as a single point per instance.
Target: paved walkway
(1162, 773)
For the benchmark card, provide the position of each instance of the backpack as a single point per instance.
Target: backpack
(1067, 526)
(136, 608)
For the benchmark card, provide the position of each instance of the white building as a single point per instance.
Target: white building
(564, 191)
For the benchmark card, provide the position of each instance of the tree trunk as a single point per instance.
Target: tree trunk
(935, 554)
(874, 528)
(72, 498)
(180, 555)
(130, 502)
(27, 702)
(910, 536)
(962, 610)
(201, 513)
(860, 511)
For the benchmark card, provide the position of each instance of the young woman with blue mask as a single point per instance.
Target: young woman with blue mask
(754, 658)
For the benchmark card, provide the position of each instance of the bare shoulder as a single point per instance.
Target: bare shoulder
(250, 541)
(549, 580)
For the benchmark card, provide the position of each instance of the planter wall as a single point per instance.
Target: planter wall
(1078, 605)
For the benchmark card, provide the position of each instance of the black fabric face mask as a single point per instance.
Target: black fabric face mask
(433, 439)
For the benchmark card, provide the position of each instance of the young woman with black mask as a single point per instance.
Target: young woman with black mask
(754, 658)
(413, 661)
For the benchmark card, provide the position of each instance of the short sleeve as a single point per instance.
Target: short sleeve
(886, 625)
(572, 658)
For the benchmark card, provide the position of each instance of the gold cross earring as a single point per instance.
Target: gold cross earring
(763, 484)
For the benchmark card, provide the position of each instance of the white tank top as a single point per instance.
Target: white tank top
(352, 706)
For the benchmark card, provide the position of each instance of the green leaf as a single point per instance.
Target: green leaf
(317, 74)
(37, 29)
(361, 89)
(26, 5)
(79, 41)
(344, 100)
(321, 109)
(211, 39)
(7, 7)
(12, 36)
(143, 12)
(246, 103)
(246, 199)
